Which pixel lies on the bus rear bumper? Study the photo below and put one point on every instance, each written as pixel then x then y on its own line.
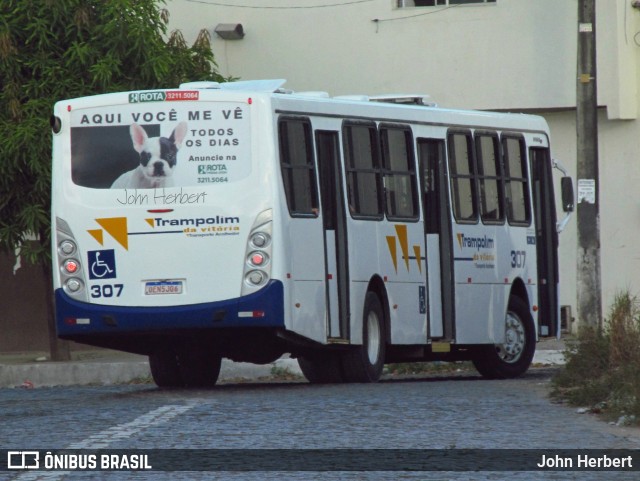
pixel 78 320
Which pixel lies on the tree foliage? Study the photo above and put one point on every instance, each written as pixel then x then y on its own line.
pixel 56 49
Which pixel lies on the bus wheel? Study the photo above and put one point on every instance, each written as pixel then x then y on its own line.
pixel 199 367
pixel 364 363
pixel 514 357
pixel 322 368
pixel 164 369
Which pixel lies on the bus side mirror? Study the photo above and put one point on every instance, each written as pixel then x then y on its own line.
pixel 566 186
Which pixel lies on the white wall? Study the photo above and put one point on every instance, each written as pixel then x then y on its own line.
pixel 618 47
pixel 461 56
pixel 619 165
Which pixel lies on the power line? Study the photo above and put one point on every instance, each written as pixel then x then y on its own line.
pixel 302 7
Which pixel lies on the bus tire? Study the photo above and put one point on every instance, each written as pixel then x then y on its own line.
pixel 321 369
pixel 164 369
pixel 513 358
pixel 199 367
pixel 364 363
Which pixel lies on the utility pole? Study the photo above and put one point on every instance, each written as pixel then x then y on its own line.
pixel 589 290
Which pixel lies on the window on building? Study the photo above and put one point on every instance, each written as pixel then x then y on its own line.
pixel 364 184
pixel 297 166
pixel 438 3
pixel 490 177
pixel 516 179
pixel 399 173
pixel 463 176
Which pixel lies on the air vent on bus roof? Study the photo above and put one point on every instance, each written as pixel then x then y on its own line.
pixel 270 85
pixel 357 98
pixel 414 99
pixel 318 94
pixel 402 99
pixel 200 85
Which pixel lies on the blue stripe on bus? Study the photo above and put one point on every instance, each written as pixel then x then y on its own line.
pixel 101 319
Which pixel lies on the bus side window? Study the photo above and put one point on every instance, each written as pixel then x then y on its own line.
pixel 517 189
pixel 490 177
pixel 463 177
pixel 362 166
pixel 297 167
pixel 399 173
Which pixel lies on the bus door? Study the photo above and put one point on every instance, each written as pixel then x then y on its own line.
pixel 439 241
pixel 546 241
pixel 335 234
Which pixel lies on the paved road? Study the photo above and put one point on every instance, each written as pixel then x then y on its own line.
pixel 425 413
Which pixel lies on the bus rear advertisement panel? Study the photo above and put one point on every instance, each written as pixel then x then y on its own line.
pixel 137 146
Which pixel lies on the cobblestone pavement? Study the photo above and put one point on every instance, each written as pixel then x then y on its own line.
pixel 462 411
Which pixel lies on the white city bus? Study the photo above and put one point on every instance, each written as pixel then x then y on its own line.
pixel 245 221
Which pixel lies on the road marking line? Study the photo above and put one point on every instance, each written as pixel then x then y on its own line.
pixel 104 438
pixel 122 431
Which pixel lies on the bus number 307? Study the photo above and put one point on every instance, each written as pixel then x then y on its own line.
pixel 106 290
pixel 518 258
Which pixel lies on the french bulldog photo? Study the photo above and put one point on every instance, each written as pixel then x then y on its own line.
pixel 158 156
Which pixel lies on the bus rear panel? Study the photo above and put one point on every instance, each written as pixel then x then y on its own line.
pixel 162 218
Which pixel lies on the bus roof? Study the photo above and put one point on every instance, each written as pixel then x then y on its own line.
pixel 368 104
pixel 390 107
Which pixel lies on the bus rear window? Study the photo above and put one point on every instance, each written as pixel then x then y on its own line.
pixel 98 157
pixel 139 146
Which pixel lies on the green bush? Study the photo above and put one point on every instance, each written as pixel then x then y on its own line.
pixel 603 365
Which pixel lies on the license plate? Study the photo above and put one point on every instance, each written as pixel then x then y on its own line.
pixel 154 288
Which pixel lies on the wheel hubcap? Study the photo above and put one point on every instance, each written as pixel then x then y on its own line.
pixel 514 342
pixel 373 337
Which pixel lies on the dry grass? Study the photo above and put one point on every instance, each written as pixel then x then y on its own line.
pixel 603 366
pixel 418 368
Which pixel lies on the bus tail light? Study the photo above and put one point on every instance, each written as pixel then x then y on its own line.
pixel 71 266
pixel 260 239
pixel 256 278
pixel 67 248
pixel 258 258
pixel 70 271
pixel 257 266
pixel 73 284
pixel 77 321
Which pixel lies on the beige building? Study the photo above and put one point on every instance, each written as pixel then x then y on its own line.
pixel 513 55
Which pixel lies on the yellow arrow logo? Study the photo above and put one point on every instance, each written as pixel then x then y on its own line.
pixel 402 238
pixel 116 227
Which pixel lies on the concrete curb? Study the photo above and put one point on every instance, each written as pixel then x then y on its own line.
pixel 77 373
pixel 555 358
pixel 47 374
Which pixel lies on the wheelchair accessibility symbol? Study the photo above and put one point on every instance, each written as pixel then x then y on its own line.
pixel 102 264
